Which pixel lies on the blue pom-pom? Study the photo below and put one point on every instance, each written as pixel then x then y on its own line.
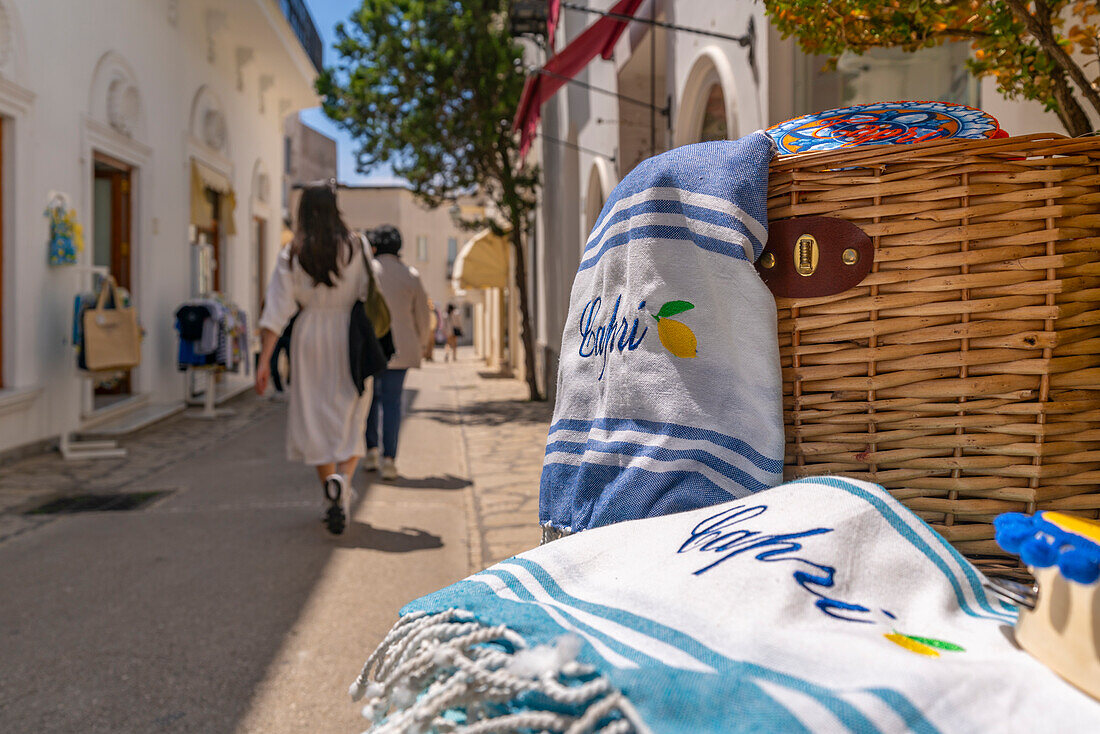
pixel 1039 552
pixel 1011 536
pixel 1078 565
pixel 1012 519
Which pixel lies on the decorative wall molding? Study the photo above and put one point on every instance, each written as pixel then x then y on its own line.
pixel 267 81
pixel 209 125
pixel 214 129
pixel 123 105
pixel 14 99
pixel 244 55
pixel 106 139
pixel 215 22
pixel 115 99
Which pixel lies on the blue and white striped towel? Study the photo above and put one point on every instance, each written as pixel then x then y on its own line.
pixel 669 390
pixel 822 605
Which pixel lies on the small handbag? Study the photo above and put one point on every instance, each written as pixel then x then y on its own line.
pixel 370 344
pixel 112 336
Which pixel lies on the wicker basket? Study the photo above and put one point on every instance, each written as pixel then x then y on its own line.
pixel 963 374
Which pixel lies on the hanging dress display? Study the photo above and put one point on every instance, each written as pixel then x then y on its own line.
pixel 66 235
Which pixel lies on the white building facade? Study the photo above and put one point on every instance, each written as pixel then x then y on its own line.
pixel 160 123
pixel 665 88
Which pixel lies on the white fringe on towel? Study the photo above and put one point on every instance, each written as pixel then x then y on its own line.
pixel 447 673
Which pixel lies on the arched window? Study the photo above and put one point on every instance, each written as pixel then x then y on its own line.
pixel 601 180
pixel 708 101
pixel 713 125
pixel 593 200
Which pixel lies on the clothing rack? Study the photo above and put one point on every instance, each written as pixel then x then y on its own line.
pixel 210 401
pixel 71 448
pixel 209 404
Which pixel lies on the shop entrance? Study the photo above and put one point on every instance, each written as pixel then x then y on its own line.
pixel 211 234
pixel 259 275
pixel 2 197
pixel 111 248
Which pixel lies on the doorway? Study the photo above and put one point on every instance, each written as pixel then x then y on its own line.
pixel 212 235
pixel 259 275
pixel 2 178
pixel 111 249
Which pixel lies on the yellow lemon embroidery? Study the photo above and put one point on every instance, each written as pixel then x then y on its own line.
pixel 922 645
pixel 912 645
pixel 677 338
pixel 675 335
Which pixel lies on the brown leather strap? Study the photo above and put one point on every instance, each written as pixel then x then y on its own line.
pixel 808 257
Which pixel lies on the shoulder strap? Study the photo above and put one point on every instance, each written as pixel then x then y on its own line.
pixel 377 309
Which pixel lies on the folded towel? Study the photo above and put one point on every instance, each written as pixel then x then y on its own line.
pixel 669 390
pixel 821 605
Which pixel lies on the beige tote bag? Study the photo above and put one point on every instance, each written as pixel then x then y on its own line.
pixel 112 337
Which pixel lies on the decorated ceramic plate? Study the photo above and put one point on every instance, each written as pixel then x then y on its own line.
pixel 882 123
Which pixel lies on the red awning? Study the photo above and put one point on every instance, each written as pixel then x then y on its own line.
pixel 552 13
pixel 599 39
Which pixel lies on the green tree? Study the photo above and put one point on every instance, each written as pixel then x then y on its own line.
pixel 1023 44
pixel 430 87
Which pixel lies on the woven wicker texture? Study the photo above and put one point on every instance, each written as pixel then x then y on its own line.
pixel 963 374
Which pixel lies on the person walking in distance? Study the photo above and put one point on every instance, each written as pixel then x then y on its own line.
pixel 324 272
pixel 433 325
pixel 410 328
pixel 454 330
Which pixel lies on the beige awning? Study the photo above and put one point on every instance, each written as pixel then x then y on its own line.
pixel 482 262
pixel 202 215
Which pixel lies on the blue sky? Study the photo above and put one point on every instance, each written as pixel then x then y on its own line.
pixel 326 14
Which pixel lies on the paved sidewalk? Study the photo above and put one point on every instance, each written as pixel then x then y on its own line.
pixel 504 437
pixel 224 606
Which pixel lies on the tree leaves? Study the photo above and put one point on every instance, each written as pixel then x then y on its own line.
pixel 430 87
pixel 1003 47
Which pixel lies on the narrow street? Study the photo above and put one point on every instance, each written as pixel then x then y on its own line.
pixel 223 606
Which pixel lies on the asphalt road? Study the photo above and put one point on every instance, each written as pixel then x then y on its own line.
pixel 225 607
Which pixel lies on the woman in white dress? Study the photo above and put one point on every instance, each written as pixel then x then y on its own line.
pixel 320 274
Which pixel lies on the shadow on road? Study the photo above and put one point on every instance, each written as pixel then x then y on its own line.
pixel 448 481
pixel 493 413
pixel 405 540
pixel 495 375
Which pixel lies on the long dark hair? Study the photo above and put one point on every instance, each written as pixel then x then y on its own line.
pixel 322 244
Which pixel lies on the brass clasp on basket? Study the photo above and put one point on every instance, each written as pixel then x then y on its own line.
pixel 806 254
pixel 810 257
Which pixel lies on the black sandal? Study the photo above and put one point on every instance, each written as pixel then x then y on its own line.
pixel 335 520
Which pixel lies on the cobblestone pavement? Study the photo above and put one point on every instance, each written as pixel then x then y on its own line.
pixel 30 481
pixel 503 436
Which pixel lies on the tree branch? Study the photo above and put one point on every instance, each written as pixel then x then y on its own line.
pixel 959 33
pixel 1069 109
pixel 1039 26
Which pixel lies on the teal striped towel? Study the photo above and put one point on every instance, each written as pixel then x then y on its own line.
pixel 822 605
